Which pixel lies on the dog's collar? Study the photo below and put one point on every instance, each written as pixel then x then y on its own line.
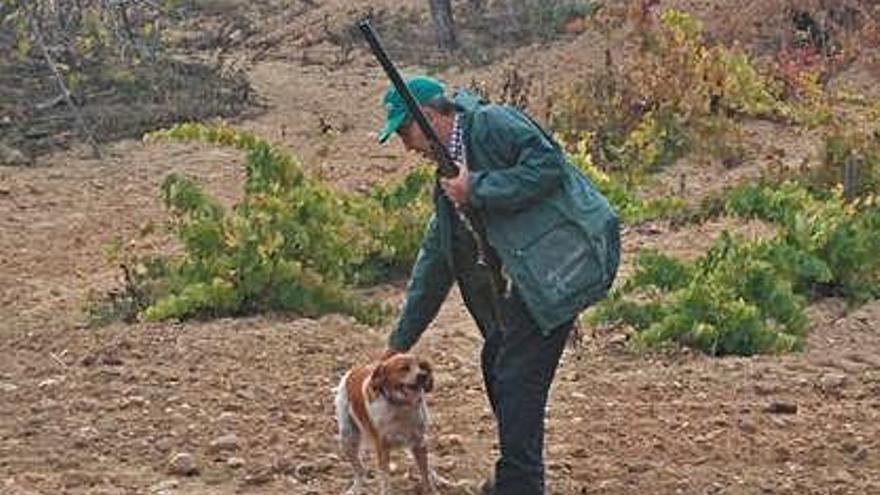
pixel 386 393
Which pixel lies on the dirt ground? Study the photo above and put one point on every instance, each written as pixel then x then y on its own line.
pixel 248 401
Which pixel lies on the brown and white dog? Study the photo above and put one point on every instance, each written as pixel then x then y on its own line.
pixel 384 402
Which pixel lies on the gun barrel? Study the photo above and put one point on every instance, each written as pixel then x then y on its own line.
pixel 446 167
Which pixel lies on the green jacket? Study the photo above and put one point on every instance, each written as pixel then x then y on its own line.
pixel 555 234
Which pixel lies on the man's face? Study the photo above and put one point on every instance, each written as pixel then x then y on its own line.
pixel 412 136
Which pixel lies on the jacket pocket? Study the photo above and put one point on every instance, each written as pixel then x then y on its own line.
pixel 565 263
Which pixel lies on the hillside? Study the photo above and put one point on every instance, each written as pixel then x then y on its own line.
pixel 100 411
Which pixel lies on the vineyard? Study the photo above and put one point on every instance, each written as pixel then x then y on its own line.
pixel 201 234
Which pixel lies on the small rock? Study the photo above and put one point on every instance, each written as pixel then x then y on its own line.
pixel 235 462
pixel 284 465
pixel 843 477
pixel 75 478
pixel 246 394
pixel 84 437
pixel 304 444
pixel 861 454
pixel 781 407
pixel 709 437
pixel 849 447
pixel 782 454
pixel 308 471
pixel 164 488
pixel 580 453
pixel 764 388
pixel 748 427
pixel 12 157
pixel 182 464
pixel 224 443
pixel 638 467
pixel 226 417
pixel 832 382
pixel 618 340
pixel 259 476
pixel 296 486
pixel 451 444
pixel 780 421
pixel 8 387
pixel 443 379
pixel 134 401
pixel 49 382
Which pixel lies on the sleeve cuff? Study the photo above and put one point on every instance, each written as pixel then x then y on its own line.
pixel 397 342
pixel 474 179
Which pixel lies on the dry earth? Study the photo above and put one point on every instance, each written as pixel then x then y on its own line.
pixel 248 401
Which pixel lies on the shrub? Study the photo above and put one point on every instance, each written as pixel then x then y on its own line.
pixel 291 243
pixel 678 95
pixel 730 301
pixel 850 156
pixel 748 297
pixel 826 245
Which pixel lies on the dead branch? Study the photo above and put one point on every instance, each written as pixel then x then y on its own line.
pixel 41 44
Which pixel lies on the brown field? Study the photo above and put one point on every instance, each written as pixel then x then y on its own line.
pixel 101 411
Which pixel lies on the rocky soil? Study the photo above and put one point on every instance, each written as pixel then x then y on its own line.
pixel 244 405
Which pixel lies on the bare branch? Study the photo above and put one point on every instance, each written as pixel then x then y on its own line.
pixel 41 44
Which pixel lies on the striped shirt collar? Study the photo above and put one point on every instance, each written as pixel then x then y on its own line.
pixel 456 139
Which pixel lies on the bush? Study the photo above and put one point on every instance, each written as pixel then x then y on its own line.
pixel 748 297
pixel 678 95
pixel 826 245
pixel 850 156
pixel 729 302
pixel 291 243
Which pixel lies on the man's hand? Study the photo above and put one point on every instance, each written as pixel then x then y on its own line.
pixel 456 188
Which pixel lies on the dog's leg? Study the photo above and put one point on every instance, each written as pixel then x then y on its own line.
pixel 383 455
pixel 350 444
pixel 349 438
pixel 420 454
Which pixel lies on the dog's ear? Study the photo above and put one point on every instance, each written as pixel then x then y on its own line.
pixel 425 368
pixel 377 380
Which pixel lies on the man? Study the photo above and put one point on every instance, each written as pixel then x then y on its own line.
pixel 553 249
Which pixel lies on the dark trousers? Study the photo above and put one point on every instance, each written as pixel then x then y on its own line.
pixel 518 367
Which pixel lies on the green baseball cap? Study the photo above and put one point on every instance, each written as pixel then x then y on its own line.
pixel 423 88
